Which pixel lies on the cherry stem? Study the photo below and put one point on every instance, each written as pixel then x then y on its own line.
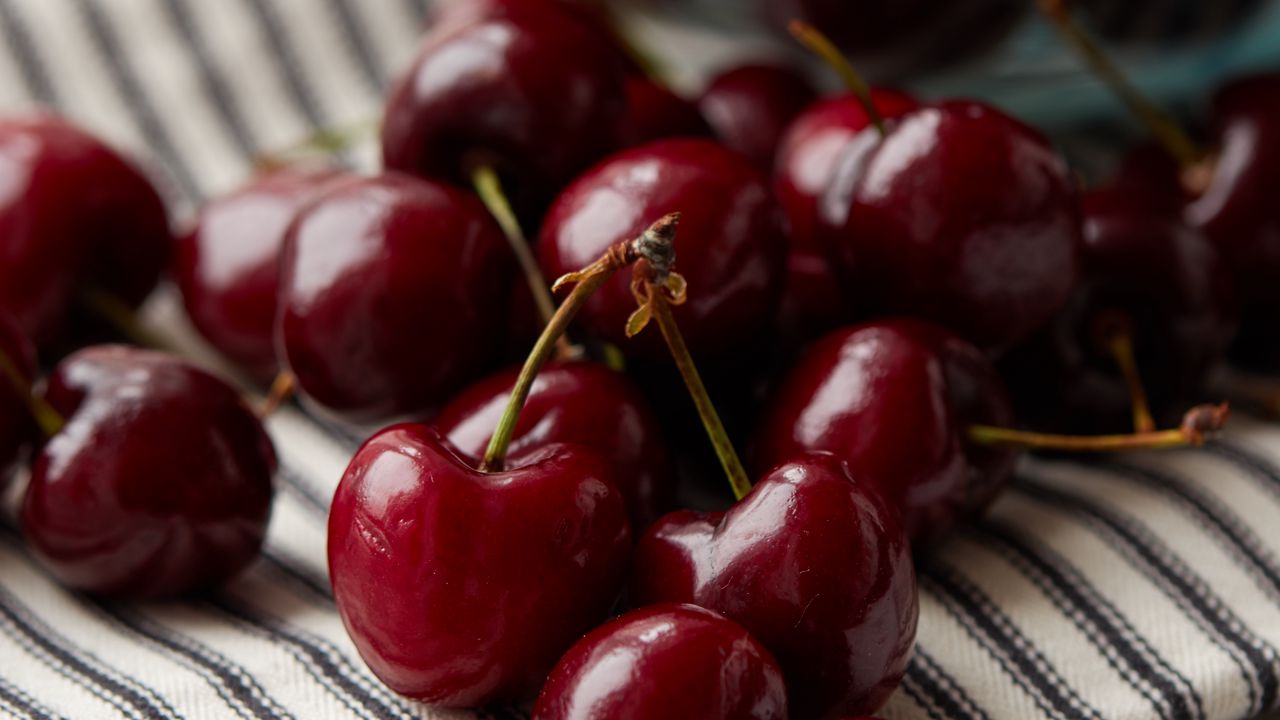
pixel 1199 423
pixel 489 187
pixel 820 45
pixel 120 316
pixel 282 389
pixel 651 282
pixel 1118 338
pixel 585 282
pixel 46 417
pixel 327 140
pixel 1159 122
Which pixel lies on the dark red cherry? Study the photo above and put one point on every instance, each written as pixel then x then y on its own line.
pixel 159 484
pixel 665 662
pixel 806 160
pixel 732 248
pixel 1143 273
pixel 655 112
pixel 750 106
pixel 16 426
pixel 228 264
pixel 73 214
pixel 393 293
pixel 815 565
pixel 529 87
pixel 893 399
pixel 912 231
pixel 573 402
pixel 462 588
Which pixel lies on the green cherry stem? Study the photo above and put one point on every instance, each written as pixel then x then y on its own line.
pixel 820 45
pixel 326 141
pixel 585 282
pixel 1198 424
pixel 120 316
pixel 44 414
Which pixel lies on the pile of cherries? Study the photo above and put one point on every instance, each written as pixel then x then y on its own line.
pixel 859 277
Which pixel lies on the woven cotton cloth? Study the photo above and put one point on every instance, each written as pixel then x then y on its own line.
pixel 1144 586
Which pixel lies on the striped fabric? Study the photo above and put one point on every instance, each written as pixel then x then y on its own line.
pixel 1144 586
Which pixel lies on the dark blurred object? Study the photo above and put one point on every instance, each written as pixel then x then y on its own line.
pixel 1159 21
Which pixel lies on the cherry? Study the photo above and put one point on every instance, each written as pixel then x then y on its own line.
pixel 811 562
pixel 160 482
pixel 1148 282
pixel 750 106
pixel 734 249
pixel 73 215
pixel 573 402
pixel 911 232
pixel 17 372
pixel 892 398
pixel 655 112
pixel 667 661
pixel 227 264
pixel 390 290
pixel 530 88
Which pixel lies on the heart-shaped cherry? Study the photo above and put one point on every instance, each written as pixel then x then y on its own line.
pixel 669 662
pixel 391 291
pixel 573 402
pixel 159 483
pixel 17 373
pixel 74 215
pixel 910 232
pixel 814 564
pixel 750 106
pixel 655 112
pixel 228 264
pixel 734 246
pixel 893 398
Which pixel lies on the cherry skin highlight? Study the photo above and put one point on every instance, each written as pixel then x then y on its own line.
pixel 750 106
pixel 73 214
pixel 732 246
pixel 160 484
pixel 573 402
pixel 815 565
pixel 668 661
pixel 910 230
pixel 462 588
pixel 892 398
pixel 228 264
pixel 393 292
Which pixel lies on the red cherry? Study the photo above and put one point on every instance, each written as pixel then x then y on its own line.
pixel 655 112
pixel 732 248
pixel 391 289
pixel 811 562
pixel 460 587
pixel 667 661
pixel 228 264
pixel 912 232
pixel 73 214
pixel 16 427
pixel 159 484
pixel 573 402
pixel 893 399
pixel 750 106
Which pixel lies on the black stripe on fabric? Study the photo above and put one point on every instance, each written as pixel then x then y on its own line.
pixel 1235 537
pixel 313 584
pixel 356 38
pixel 924 701
pixel 1171 694
pixel 135 97
pixel 308 496
pixel 281 47
pixel 992 629
pixel 17 38
pixel 940 690
pixel 1256 467
pixel 417 9
pixel 361 693
pixel 231 681
pixel 212 82
pixel 1256 659
pixel 18 701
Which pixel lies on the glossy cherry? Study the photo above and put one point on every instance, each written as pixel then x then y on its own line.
pixel 1143 273
pixel 573 402
pixel 815 565
pixel 732 246
pixel 655 112
pixel 665 662
pixel 393 291
pixel 462 588
pixel 228 264
pixel 911 231
pixel 529 87
pixel 159 484
pixel 750 106
pixel 73 214
pixel 16 426
pixel 893 399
